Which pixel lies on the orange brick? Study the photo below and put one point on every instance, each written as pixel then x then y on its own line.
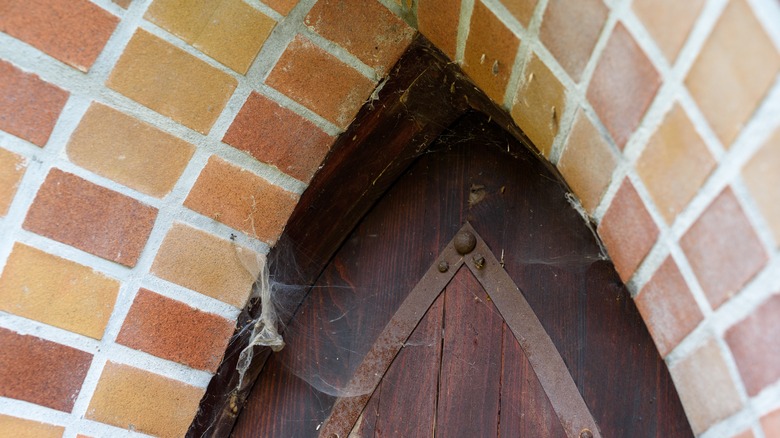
pixel 56 291
pixel 40 371
pixel 628 230
pixel 230 31
pixel 242 200
pixel 438 21
pixel 539 105
pixel 320 82
pixel 706 389
pixel 668 21
pixel 123 3
pixel 490 52
pixel 19 428
pixel 668 307
pixel 674 164
pixel 12 169
pixel 73 31
pixel 156 325
pixel 587 162
pixel 762 179
pixel 367 30
pixel 204 263
pixel 727 81
pixel 281 6
pixel 570 29
pixel 278 136
pixel 523 10
pixel 171 82
pixel 91 218
pixel 128 397
pixel 128 151
pixel 623 85
pixel 29 107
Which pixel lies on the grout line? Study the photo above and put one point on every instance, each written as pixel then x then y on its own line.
pixel 464 26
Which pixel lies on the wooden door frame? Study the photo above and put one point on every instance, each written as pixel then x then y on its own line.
pixel 423 95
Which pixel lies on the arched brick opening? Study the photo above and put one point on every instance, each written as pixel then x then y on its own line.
pixel 138 137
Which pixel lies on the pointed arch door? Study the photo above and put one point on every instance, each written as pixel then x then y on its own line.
pixel 531 333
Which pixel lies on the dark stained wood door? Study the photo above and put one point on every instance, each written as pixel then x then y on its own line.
pixel 459 369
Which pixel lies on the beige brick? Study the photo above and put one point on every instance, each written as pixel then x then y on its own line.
pixel 12 169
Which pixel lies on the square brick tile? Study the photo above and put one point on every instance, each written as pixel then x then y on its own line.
pixel 570 30
pixel 40 371
pixel 723 249
pixel 491 49
pixel 128 151
pixel 539 104
pixel 151 404
pixel 753 341
pixel 771 424
pixel 17 427
pixel 301 73
pixel 204 263
pixel 674 164
pixel 175 331
pixel 230 31
pixel 623 85
pixel 628 230
pixel 29 107
pixel 241 200
pixel 727 81
pixel 763 179
pixel 58 292
pixel 697 378
pixel 91 218
pixel 278 136
pixel 72 31
pixel 281 6
pixel 523 10
pixel 367 30
pixel 668 21
pixel 438 20
pixel 587 162
pixel 172 82
pixel 668 307
pixel 12 167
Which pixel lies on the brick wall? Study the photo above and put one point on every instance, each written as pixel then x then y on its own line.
pixel 142 140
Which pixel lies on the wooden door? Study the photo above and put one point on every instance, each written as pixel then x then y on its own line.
pixel 390 343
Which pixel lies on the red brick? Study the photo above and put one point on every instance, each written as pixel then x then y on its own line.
pixel 490 52
pixel 438 21
pixel 242 200
pixel 366 29
pixel 278 136
pixel 570 30
pixel 40 371
pixel 623 85
pixel 668 307
pixel 73 31
pixel 723 249
pixel 175 331
pixel 91 218
pixel 753 341
pixel 628 230
pixel 320 82
pixel 29 107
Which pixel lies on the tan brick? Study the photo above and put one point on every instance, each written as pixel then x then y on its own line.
pixel 668 21
pixel 171 82
pixel 763 179
pixel 204 263
pixel 92 218
pixel 366 29
pixel 131 398
pixel 12 169
pixel 587 162
pixel 242 200
pixel 539 104
pixel 72 31
pixel 55 291
pixel 128 151
pixel 19 428
pixel 674 164
pixel 490 52
pixel 303 69
pixel 727 81
pixel 230 31
pixel 438 21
